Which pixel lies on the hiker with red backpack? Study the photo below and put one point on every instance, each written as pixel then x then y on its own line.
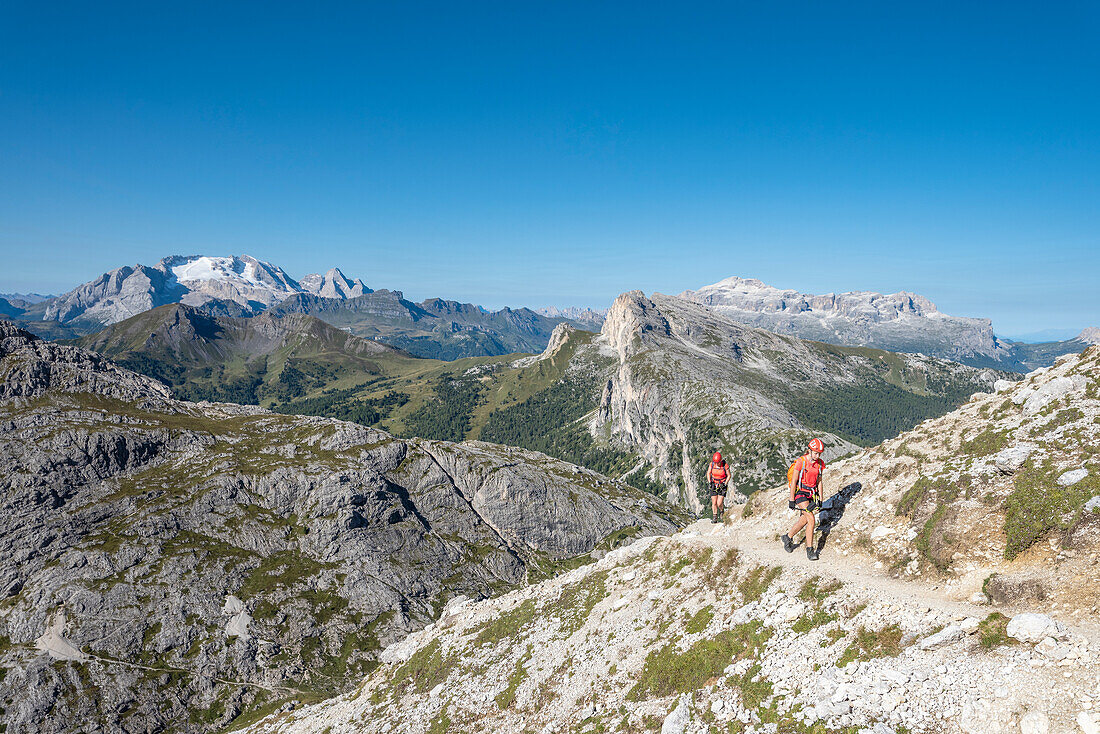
pixel 804 482
pixel 718 477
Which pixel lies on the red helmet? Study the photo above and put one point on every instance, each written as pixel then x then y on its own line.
pixel 816 445
pixel 717 458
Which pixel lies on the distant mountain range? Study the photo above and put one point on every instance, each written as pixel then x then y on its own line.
pixel 244 286
pixel 899 322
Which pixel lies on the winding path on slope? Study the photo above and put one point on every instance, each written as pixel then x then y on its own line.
pixel 758 541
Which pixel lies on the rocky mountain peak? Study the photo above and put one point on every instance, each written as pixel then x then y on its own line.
pixel 902 322
pixel 751 294
pixel 631 317
pixel 558 338
pixel 334 284
pixel 1090 335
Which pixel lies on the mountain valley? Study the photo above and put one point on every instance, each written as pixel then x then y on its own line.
pixel 664 384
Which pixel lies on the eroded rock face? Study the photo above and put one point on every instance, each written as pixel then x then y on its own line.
pixel 30 367
pixel 167 565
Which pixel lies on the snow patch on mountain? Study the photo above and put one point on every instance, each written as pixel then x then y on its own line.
pixel 217 268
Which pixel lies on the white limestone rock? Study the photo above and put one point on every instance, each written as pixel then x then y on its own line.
pixel 1011 459
pixel 1053 390
pixel 947 635
pixel 1034 722
pixel 1032 627
pixel 1072 477
pixel 677 722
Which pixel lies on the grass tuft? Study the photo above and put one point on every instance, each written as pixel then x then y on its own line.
pixel 668 671
pixel 869 644
pixel 757 581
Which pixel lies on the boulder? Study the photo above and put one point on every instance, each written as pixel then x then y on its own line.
pixel 1051 650
pixel 677 721
pixel 1051 391
pixel 1005 589
pixel 1072 477
pixel 945 636
pixel 1011 459
pixel 970 624
pixel 1002 385
pixel 1032 627
pixel 1034 722
pixel 881 532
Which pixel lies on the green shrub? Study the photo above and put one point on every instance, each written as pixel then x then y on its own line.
pixel 812 591
pixel 989 441
pixel 698 622
pixel 505 698
pixel 422 672
pixel 507 625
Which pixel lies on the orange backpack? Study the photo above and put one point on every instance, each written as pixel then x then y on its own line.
pixel 794 470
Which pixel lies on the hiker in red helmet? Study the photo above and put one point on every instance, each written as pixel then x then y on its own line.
pixel 718 477
pixel 804 482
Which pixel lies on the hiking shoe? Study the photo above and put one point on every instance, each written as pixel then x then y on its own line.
pixel 787 544
pixel 811 553
pixel 714 519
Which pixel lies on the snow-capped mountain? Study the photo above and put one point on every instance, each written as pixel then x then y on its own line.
pixel 194 280
pixel 901 322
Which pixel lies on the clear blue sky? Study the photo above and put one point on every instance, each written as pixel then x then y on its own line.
pixel 558 153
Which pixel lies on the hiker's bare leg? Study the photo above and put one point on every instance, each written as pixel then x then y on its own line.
pixel 809 528
pixel 800 521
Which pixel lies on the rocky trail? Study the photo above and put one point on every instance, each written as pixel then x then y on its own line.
pixel 764 547
pixel 811 647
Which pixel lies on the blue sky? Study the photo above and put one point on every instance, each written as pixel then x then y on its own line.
pixel 560 153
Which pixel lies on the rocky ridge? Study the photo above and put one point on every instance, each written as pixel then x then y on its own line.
pixel 244 286
pixel 192 280
pixel 334 284
pixel 170 566
pixel 900 322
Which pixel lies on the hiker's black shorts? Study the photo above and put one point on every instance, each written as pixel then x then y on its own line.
pixel 717 489
pixel 801 497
